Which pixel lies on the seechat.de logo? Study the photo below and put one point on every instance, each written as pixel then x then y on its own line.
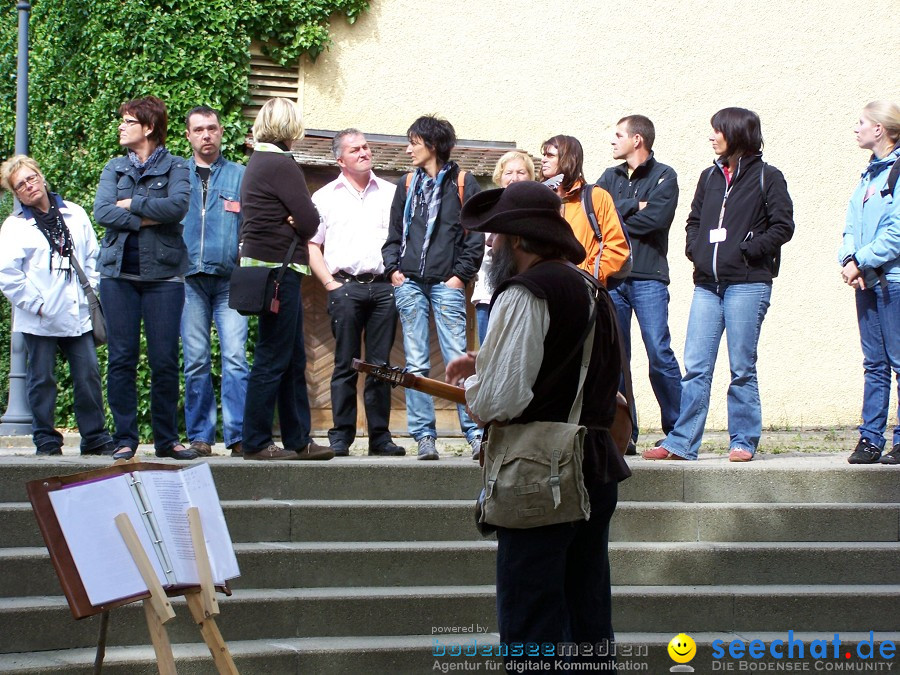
pixel 682 649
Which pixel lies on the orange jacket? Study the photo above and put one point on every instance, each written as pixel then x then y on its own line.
pixel 615 246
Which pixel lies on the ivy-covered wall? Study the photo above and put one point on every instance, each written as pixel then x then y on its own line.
pixel 87 58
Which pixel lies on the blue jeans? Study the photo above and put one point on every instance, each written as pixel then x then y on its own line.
pixel 278 375
pixel 40 384
pixel 158 304
pixel 878 314
pixel 649 301
pixel 482 317
pixel 205 299
pixel 739 310
pixel 414 303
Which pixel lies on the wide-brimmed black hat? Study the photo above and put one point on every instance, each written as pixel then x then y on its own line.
pixel 525 209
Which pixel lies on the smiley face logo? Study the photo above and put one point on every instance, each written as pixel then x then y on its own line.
pixel 682 648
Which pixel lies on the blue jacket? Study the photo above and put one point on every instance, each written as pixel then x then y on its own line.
pixel 162 194
pixel 212 235
pixel 872 231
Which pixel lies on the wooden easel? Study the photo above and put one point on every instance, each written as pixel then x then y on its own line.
pixel 201 600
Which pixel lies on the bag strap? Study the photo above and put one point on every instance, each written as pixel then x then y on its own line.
pixel 460 183
pixel 575 412
pixel 587 203
pixel 287 259
pixel 92 298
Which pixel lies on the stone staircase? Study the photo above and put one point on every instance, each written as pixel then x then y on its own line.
pixel 358 565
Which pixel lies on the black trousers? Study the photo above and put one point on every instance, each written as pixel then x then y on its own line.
pixel 553 584
pixel 361 311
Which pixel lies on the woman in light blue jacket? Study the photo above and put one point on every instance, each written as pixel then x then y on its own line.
pixel 870 261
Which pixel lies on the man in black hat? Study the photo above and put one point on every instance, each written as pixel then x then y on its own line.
pixel 552 581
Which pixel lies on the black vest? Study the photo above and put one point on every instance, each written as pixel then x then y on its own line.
pixel 569 306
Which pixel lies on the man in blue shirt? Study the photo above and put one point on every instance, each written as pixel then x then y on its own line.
pixel 211 233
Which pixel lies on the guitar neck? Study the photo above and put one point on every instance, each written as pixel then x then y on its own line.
pixel 437 388
pixel 426 385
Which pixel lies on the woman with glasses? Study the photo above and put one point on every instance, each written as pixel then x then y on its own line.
pixel 141 200
pixel 562 161
pixel 40 245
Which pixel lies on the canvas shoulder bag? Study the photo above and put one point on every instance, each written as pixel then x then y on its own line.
pixel 532 472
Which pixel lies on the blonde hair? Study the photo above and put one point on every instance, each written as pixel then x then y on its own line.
pixel 507 158
pixel 887 114
pixel 278 120
pixel 13 165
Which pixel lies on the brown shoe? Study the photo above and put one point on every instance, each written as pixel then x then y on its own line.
pixel 272 452
pixel 237 450
pixel 740 455
pixel 201 448
pixel 659 452
pixel 314 451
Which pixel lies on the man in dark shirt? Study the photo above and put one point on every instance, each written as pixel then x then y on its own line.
pixel 645 193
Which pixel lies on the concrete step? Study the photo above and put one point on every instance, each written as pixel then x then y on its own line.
pixel 773 479
pixel 724 522
pixel 356 564
pixel 418 654
pixel 303 565
pixel 756 563
pixel 445 520
pixel 45 623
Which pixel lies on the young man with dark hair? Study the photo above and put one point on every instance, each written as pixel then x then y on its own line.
pixel 429 259
pixel 645 193
pixel 211 234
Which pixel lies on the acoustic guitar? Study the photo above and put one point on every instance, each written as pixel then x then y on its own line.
pixel 398 377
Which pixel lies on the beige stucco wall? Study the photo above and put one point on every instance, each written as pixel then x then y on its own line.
pixel 523 71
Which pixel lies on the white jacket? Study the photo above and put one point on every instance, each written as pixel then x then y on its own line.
pixel 29 283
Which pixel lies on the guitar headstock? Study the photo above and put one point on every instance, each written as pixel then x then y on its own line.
pixel 393 375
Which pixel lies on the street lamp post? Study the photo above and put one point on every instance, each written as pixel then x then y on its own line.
pixel 17 419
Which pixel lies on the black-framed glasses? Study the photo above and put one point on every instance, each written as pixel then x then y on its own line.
pixel 31 181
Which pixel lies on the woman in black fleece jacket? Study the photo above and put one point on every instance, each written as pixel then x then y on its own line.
pixel 740 217
pixel 276 209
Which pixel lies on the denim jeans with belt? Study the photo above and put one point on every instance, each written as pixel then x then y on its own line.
pixel 648 299
pixel 40 384
pixel 278 375
pixel 126 303
pixel 878 315
pixel 738 310
pixel 205 300
pixel 414 303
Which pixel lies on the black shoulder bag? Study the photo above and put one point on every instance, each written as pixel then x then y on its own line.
pixel 254 290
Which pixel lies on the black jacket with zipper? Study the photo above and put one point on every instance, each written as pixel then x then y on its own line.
pixel 748 251
pixel 656 184
pixel 453 251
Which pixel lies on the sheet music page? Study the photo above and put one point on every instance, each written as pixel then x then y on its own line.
pixel 171 493
pixel 86 514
